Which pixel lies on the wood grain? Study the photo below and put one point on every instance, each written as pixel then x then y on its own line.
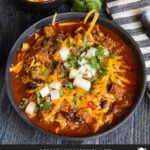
pixel 13 130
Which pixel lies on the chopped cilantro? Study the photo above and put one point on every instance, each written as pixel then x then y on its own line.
pixel 75 107
pixel 93 78
pixel 93 62
pixel 42 106
pixel 38 99
pixel 100 53
pixel 46 105
pixel 72 61
pixel 63 73
pixel 112 55
pixel 76 96
pixel 69 85
pixel 45 72
pixel 103 71
pixel 24 103
pixel 58 40
pixel 61 92
pixel 85 44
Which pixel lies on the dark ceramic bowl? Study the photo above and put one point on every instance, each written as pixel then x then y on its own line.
pixel 38 6
pixel 68 17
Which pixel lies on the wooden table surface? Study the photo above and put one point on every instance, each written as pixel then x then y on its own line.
pixel 13 130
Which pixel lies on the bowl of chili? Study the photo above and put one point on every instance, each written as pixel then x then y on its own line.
pixel 92 103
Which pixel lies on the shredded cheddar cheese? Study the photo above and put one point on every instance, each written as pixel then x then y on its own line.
pixel 17 68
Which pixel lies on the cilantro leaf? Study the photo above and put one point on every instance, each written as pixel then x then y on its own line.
pixel 24 103
pixel 72 61
pixel 61 92
pixel 69 85
pixel 103 71
pixel 100 53
pixel 76 96
pixel 38 99
pixel 112 55
pixel 46 105
pixel 93 62
pixel 85 44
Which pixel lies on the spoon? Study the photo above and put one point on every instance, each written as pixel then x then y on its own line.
pixel 146 21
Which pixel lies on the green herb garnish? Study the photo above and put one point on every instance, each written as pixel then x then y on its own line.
pixel 94 4
pixel 93 62
pixel 58 40
pixel 85 44
pixel 112 55
pixel 76 96
pixel 72 61
pixel 69 85
pixel 46 105
pixel 61 92
pixel 100 54
pixel 97 62
pixel 45 72
pixel 38 99
pixel 79 5
pixel 86 5
pixel 93 78
pixel 103 71
pixel 24 103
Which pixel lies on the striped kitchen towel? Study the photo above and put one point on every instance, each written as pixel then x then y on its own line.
pixel 127 13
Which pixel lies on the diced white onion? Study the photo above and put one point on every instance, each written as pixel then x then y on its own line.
pixel 91 52
pixel 73 73
pixel 45 91
pixel 93 71
pixel 55 85
pixel 82 83
pixel 64 53
pixel 82 61
pixel 55 94
pixel 30 108
pixel 87 71
pixel 83 54
pixel 82 69
pixel 66 65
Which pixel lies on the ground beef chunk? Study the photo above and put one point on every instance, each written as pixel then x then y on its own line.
pixel 43 57
pixel 37 55
pixel 109 43
pixel 60 116
pixel 36 64
pixel 117 91
pixel 84 115
pixel 49 31
pixel 64 106
pixel 38 43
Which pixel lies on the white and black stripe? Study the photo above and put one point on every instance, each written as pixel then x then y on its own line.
pixel 127 13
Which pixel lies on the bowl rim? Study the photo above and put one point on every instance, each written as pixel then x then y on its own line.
pixel 63 17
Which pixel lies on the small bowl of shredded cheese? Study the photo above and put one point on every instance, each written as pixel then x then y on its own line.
pixel 38 5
